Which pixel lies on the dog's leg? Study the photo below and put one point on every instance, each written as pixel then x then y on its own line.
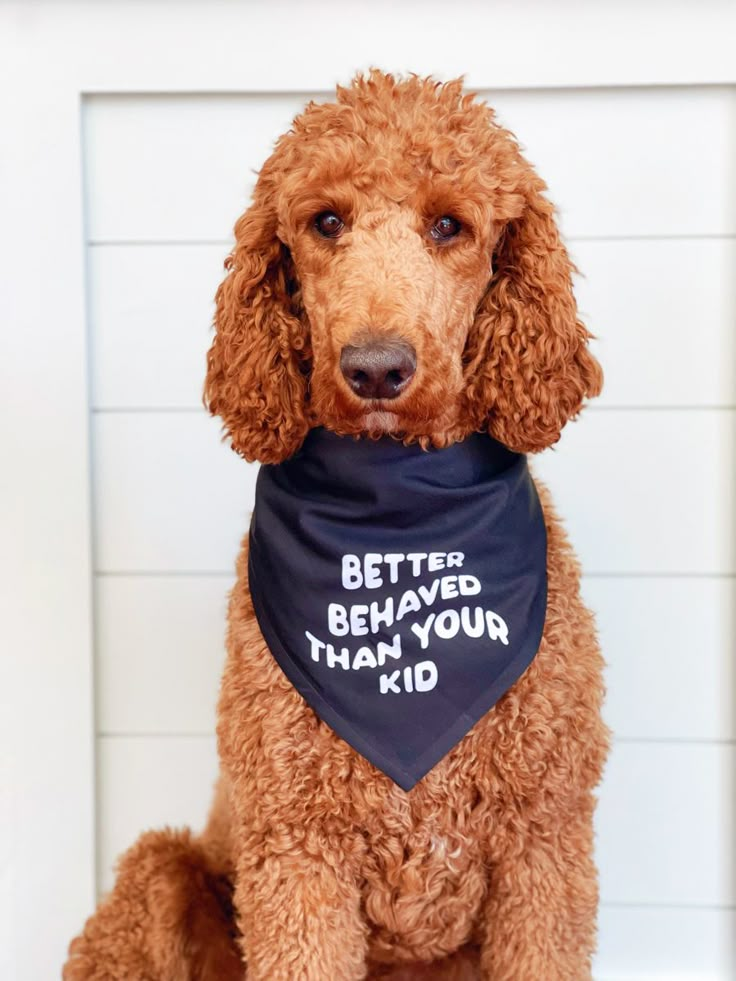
pixel 168 918
pixel 540 915
pixel 300 919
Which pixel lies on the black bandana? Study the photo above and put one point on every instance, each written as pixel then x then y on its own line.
pixel 401 591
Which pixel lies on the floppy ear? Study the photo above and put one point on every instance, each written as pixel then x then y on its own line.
pixel 528 364
pixel 256 367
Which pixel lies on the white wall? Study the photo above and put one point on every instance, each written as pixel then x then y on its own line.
pixel 644 480
pixel 643 177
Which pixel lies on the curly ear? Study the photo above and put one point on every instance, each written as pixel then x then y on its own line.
pixel 256 367
pixel 528 365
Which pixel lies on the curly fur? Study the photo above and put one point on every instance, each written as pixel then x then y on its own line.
pixel 485 868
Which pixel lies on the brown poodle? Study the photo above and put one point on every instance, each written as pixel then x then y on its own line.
pixel 400 214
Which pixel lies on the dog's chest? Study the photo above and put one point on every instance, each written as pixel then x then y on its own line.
pixel 423 877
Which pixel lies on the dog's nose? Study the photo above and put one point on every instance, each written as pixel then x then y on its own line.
pixel 379 369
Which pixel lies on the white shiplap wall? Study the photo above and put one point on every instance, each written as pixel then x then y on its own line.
pixel 643 180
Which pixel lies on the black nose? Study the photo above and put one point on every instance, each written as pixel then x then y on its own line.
pixel 379 369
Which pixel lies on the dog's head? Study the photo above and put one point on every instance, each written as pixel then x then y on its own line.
pixel 399 270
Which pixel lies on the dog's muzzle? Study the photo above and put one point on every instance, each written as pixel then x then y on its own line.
pixel 378 369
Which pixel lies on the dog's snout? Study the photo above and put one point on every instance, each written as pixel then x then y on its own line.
pixel 378 369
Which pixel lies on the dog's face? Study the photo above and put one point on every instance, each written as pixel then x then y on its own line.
pixel 390 274
pixel 399 271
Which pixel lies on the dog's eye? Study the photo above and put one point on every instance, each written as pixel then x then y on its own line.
pixel 445 228
pixel 328 224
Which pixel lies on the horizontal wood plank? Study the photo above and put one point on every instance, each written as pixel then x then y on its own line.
pixel 168 494
pixel 160 647
pixel 149 783
pixel 647 492
pixel 616 162
pixel 181 167
pixel 663 311
pixel 669 646
pixel 664 824
pixel 665 944
pixel 177 168
pixel 151 311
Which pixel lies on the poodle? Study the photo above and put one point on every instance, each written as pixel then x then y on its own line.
pixel 403 219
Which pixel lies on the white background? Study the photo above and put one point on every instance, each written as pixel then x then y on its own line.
pixel 129 134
